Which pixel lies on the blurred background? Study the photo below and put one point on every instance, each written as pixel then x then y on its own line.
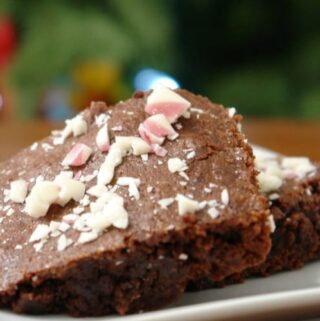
pixel 261 56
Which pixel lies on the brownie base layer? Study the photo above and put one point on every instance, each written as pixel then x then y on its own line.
pixel 149 264
pixel 148 277
pixel 296 239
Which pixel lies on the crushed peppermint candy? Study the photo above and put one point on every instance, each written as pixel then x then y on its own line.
pixel 97 190
pixel 213 212
pixel 269 182
pixel 63 243
pixel 46 193
pixel 132 183
pixel 231 111
pixel 78 155
pixel 165 101
pixel 183 256
pixel 117 128
pixel 186 205
pixel 196 110
pixel 159 126
pixel 112 160
pixel 102 138
pixel 165 202
pixel 18 191
pixel 76 126
pixel 41 232
pixel 274 170
pixel 86 237
pixel 271 223
pixel 225 196
pixel 177 165
pixel 191 155
pixel 42 195
pixel 69 189
pixel 101 119
pixel 10 211
pixel 145 157
pixel 34 146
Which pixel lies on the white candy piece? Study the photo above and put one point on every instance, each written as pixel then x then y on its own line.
pixel 268 183
pixel 102 138
pixel 113 159
pixel 41 232
pixel 274 170
pixel 78 155
pixel 140 147
pixel 213 212
pixel 300 166
pixel 231 111
pixel 165 202
pixel 132 183
pixel 63 175
pixel 186 205
pixel 99 204
pixel 136 144
pixel 101 119
pixel 63 243
pixel 97 190
pixel 76 126
pixel 98 222
pixel 117 214
pixel 165 101
pixel 69 189
pixel 177 165
pixel 225 197
pixel 86 237
pixel 271 223
pixel 18 191
pixel 42 195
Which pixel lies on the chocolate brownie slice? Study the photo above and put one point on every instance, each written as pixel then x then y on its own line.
pixel 292 185
pixel 126 205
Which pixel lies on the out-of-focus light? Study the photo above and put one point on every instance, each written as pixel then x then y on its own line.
pixel 147 78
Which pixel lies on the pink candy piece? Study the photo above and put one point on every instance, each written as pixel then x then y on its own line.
pixel 171 110
pixel 78 155
pixel 158 150
pixel 165 101
pixel 78 175
pixel 159 125
pixel 148 136
pixel 102 139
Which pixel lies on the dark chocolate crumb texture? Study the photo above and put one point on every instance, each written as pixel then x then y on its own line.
pixel 292 185
pixel 121 209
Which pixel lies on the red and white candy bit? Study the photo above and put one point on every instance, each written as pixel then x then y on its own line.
pixel 165 101
pixel 158 150
pixel 159 125
pixel 102 139
pixel 78 155
pixel 148 136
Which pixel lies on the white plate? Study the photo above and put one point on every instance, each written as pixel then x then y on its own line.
pixel 282 296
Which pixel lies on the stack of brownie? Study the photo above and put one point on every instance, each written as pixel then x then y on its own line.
pixel 129 205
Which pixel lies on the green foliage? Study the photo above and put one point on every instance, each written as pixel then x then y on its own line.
pixel 254 91
pixel 55 35
pixel 261 56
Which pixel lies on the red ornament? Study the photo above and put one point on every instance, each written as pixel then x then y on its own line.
pixel 7 41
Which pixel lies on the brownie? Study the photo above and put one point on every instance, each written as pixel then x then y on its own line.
pixel 293 190
pixel 95 224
